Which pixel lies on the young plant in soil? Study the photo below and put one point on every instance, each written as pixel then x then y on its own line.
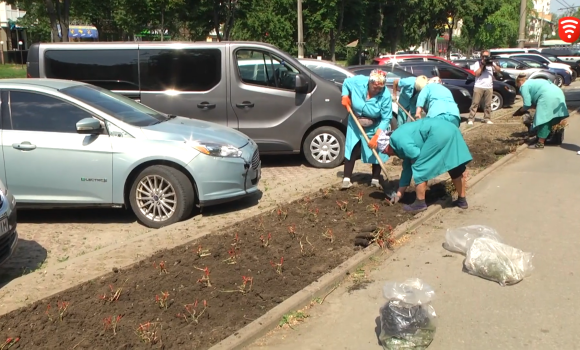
pixel 278 266
pixel 149 332
pixel 192 313
pixel 10 342
pixel 265 241
pixel 233 254
pixel 160 267
pixel 205 278
pixel 62 306
pixel 111 323
pixel 202 252
pixel 113 295
pixel 328 235
pixel 163 300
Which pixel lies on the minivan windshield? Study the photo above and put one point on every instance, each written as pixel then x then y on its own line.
pixel 116 105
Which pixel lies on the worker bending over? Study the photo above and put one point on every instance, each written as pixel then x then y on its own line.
pixel 438 102
pixel 410 88
pixel 428 147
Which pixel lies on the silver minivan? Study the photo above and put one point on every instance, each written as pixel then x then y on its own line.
pixel 249 86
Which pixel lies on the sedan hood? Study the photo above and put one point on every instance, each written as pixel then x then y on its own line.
pixel 181 129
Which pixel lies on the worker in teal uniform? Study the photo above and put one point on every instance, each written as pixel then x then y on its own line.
pixel 371 103
pixel 428 147
pixel 438 102
pixel 410 88
pixel 550 104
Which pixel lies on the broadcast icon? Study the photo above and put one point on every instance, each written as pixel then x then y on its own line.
pixel 569 29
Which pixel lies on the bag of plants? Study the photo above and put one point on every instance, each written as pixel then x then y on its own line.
pixel 459 239
pixel 408 321
pixel 498 262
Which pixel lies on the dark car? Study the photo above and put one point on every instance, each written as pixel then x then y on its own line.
pixel 461 96
pixel 561 76
pixel 504 95
pixel 8 234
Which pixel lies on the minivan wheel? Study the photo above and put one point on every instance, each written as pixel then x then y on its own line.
pixel 496 101
pixel 161 196
pixel 324 147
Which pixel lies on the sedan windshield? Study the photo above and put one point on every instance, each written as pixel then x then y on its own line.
pixel 118 106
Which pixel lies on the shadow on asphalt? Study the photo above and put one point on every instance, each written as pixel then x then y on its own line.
pixel 28 257
pixel 570 147
pixel 284 160
pixel 76 216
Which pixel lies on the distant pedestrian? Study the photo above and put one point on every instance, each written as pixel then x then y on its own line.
pixel 372 105
pixel 483 87
pixel 438 102
pixel 550 104
pixel 410 88
pixel 428 147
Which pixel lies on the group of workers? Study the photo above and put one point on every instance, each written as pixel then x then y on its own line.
pixel 431 145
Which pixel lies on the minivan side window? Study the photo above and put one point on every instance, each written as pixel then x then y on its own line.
pixel 194 70
pixel 109 69
pixel 31 111
pixel 264 69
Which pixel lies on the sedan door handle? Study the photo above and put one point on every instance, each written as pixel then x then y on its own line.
pixel 24 146
pixel 245 104
pixel 205 105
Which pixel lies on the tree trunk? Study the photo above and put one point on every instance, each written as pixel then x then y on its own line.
pixel 335 34
pixel 452 25
pixel 216 20
pixel 53 17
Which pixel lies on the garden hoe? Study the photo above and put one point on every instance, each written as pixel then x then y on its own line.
pixel 389 193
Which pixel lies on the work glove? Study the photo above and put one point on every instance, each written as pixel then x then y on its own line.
pixel 393 197
pixel 346 102
pixel 374 140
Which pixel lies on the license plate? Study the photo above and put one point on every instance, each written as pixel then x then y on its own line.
pixel 4 225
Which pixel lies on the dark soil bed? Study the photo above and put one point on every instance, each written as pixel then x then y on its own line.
pixel 488 143
pixel 193 296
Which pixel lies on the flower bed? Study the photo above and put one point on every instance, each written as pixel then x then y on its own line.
pixel 194 296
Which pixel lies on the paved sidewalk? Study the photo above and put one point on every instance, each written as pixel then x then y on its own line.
pixel 533 203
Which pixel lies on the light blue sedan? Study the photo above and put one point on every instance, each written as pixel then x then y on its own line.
pixel 71 144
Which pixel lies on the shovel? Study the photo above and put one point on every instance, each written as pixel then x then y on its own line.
pixel 375 153
pixel 404 110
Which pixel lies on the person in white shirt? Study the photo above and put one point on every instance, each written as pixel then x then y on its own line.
pixel 483 87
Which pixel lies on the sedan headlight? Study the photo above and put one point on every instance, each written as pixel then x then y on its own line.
pixel 216 149
pixel 465 93
pixel 509 88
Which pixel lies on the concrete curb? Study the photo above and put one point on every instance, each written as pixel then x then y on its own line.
pixel 323 285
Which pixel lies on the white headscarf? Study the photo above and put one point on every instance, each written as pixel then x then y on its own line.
pixel 435 80
pixel 384 140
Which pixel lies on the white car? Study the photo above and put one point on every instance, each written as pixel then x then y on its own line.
pixel 335 73
pixel 541 59
pixel 456 56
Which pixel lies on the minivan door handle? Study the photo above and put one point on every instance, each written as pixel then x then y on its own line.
pixel 24 146
pixel 205 105
pixel 245 104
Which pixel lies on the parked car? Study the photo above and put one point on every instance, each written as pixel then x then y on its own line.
pixel 510 70
pixel 334 73
pixel 545 61
pixel 248 86
pixel 97 148
pixel 461 96
pixel 563 76
pixel 8 223
pixel 563 53
pixel 413 58
pixel 503 94
pixel 456 56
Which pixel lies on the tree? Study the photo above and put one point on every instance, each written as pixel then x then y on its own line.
pixel 57 11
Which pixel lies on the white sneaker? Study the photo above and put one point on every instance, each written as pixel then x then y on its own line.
pixel 470 122
pixel 346 184
pixel 375 183
pixel 488 122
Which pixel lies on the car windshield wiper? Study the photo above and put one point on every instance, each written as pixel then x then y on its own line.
pixel 169 117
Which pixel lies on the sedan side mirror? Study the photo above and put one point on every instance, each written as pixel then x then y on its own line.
pixel 301 84
pixel 89 126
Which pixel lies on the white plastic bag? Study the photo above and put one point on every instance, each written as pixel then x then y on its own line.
pixel 408 321
pixel 498 262
pixel 458 240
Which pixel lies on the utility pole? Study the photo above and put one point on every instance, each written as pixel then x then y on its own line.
pixel 300 31
pixel 522 33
